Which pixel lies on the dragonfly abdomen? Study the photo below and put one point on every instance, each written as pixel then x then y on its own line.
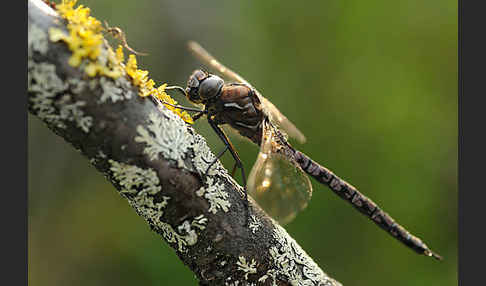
pixel 362 203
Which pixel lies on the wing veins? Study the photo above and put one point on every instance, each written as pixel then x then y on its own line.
pixel 269 108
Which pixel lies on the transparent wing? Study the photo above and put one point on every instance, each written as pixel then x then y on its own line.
pixel 280 187
pixel 270 110
pixel 277 117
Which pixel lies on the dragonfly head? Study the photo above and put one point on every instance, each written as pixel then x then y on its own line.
pixel 202 86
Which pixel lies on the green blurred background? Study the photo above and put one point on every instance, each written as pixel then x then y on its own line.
pixel 373 85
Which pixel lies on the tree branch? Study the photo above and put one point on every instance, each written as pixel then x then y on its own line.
pixel 158 162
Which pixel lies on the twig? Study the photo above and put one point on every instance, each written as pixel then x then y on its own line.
pixel 158 162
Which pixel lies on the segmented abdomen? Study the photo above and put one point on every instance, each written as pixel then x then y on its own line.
pixel 362 203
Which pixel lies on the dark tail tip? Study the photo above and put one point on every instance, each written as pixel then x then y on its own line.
pixel 433 254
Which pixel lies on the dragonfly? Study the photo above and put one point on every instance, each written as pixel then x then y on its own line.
pixel 278 180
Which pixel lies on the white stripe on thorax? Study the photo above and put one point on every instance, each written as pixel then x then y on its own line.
pixel 254 127
pixel 236 105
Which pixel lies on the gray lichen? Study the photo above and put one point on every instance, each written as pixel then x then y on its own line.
pixel 186 236
pixel 36 40
pixel 115 90
pixel 246 266
pixel 291 261
pixel 70 110
pixel 44 83
pixel 51 100
pixel 134 179
pixel 140 187
pixel 216 195
pixel 254 224
pixel 203 156
pixel 166 135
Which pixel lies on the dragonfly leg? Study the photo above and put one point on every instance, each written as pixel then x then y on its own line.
pixel 195 117
pixel 198 115
pixel 178 88
pixel 181 90
pixel 234 170
pixel 185 108
pixel 217 158
pixel 237 159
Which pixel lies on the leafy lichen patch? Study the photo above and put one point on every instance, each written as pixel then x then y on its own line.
pixel 164 136
pixel 254 224
pixel 140 187
pixel 134 179
pixel 189 229
pixel 200 222
pixel 148 208
pixel 36 40
pixel 291 261
pixel 46 86
pixel 98 157
pixel 216 195
pixel 71 111
pixel 203 156
pixel 187 235
pixel 76 85
pixel 246 266
pixel 237 283
pixel 115 90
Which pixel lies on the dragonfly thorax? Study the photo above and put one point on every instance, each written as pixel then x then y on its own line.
pixel 203 86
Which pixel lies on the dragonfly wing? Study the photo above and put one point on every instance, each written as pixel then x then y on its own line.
pixel 280 187
pixel 268 107
pixel 203 56
pixel 281 120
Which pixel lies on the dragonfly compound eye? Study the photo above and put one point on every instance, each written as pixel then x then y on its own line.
pixel 210 87
pixel 194 84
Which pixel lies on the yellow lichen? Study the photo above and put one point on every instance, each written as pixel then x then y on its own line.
pixel 120 57
pixel 85 40
pixel 146 86
pixel 162 95
pixel 139 77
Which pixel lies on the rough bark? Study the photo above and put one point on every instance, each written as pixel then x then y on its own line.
pixel 158 163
